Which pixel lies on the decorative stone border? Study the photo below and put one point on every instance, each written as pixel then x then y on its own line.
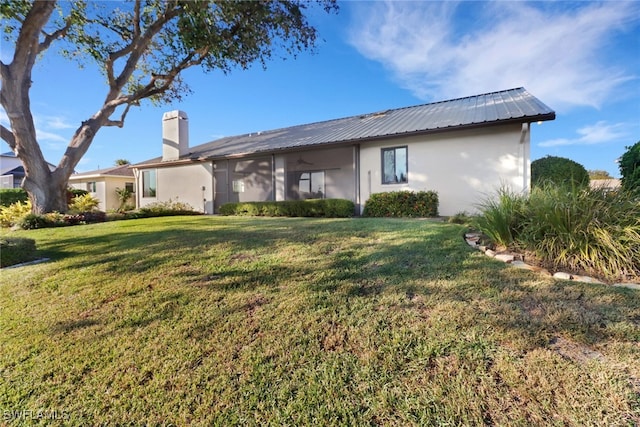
pixel 516 260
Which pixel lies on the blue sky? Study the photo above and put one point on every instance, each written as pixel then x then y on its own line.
pixel 580 58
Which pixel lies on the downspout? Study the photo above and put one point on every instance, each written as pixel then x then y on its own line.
pixel 356 172
pixel 525 136
pixel 273 177
pixel 136 176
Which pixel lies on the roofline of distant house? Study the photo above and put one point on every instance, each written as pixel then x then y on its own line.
pixel 200 159
pixel 98 175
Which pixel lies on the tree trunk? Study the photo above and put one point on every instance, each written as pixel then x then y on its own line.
pixel 46 195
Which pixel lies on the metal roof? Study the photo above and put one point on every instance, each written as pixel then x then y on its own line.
pixel 513 105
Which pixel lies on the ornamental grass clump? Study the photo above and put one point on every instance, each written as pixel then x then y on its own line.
pixel 503 217
pixel 588 230
pixel 584 230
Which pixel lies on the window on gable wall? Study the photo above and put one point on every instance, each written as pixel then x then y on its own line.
pixel 149 183
pixel 394 165
pixel 91 187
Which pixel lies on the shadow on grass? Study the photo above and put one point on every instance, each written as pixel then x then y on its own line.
pixel 380 257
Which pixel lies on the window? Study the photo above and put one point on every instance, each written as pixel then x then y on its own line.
pixel 149 183
pixel 91 187
pixel 394 165
pixel 129 187
pixel 311 185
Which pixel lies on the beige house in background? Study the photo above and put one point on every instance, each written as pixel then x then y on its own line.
pixel 610 184
pixel 462 148
pixel 102 184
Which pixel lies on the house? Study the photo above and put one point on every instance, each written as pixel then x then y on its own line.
pixel 102 184
pixel 462 148
pixel 12 171
pixel 610 184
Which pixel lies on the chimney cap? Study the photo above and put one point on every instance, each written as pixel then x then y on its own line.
pixel 174 114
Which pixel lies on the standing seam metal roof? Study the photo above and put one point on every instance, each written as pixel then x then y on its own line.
pixel 489 108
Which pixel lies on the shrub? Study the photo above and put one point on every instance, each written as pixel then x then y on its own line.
pixel 9 196
pixel 402 204
pixel 83 203
pixel 630 168
pixel 33 221
pixel 326 208
pixel 460 218
pixel 12 214
pixel 15 250
pixel 558 171
pixel 168 208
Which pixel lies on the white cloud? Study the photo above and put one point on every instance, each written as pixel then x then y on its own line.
pixel 47 130
pixel 552 49
pixel 599 133
pixel 56 122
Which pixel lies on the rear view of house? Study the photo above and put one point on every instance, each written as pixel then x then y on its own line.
pixel 462 148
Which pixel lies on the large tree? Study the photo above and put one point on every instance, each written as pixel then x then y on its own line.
pixel 141 47
pixel 629 165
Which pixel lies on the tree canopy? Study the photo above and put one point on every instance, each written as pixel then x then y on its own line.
pixel 630 168
pixel 141 47
pixel 558 171
pixel 599 174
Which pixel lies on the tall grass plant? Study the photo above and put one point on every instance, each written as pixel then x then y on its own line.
pixel 584 230
pixel 503 216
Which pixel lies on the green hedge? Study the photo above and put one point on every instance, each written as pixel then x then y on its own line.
pixel 15 250
pixel 326 208
pixel 420 204
pixel 9 196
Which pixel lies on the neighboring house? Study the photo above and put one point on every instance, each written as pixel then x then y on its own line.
pixel 464 149
pixel 102 184
pixel 12 171
pixel 610 184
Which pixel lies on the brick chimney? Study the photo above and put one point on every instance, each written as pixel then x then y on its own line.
pixel 175 135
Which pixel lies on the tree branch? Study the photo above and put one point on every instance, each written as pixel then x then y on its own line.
pixel 119 123
pixel 49 38
pixel 8 137
pixel 27 45
pixel 135 50
pixel 136 19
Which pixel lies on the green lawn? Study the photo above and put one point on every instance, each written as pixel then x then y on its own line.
pixel 244 321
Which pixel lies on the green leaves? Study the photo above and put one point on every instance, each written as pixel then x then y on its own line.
pixel 630 168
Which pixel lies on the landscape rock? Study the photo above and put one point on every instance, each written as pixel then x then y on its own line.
pixel 504 257
pixel 562 276
pixel 490 253
pixel 483 248
pixel 471 242
pixel 587 279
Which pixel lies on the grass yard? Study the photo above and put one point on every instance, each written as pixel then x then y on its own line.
pixel 245 321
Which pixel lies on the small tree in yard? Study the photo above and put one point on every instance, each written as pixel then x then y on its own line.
pixel 124 195
pixel 558 171
pixel 141 47
pixel 630 168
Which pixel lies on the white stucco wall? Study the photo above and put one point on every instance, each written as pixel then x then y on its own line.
pixel 462 166
pixel 182 183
